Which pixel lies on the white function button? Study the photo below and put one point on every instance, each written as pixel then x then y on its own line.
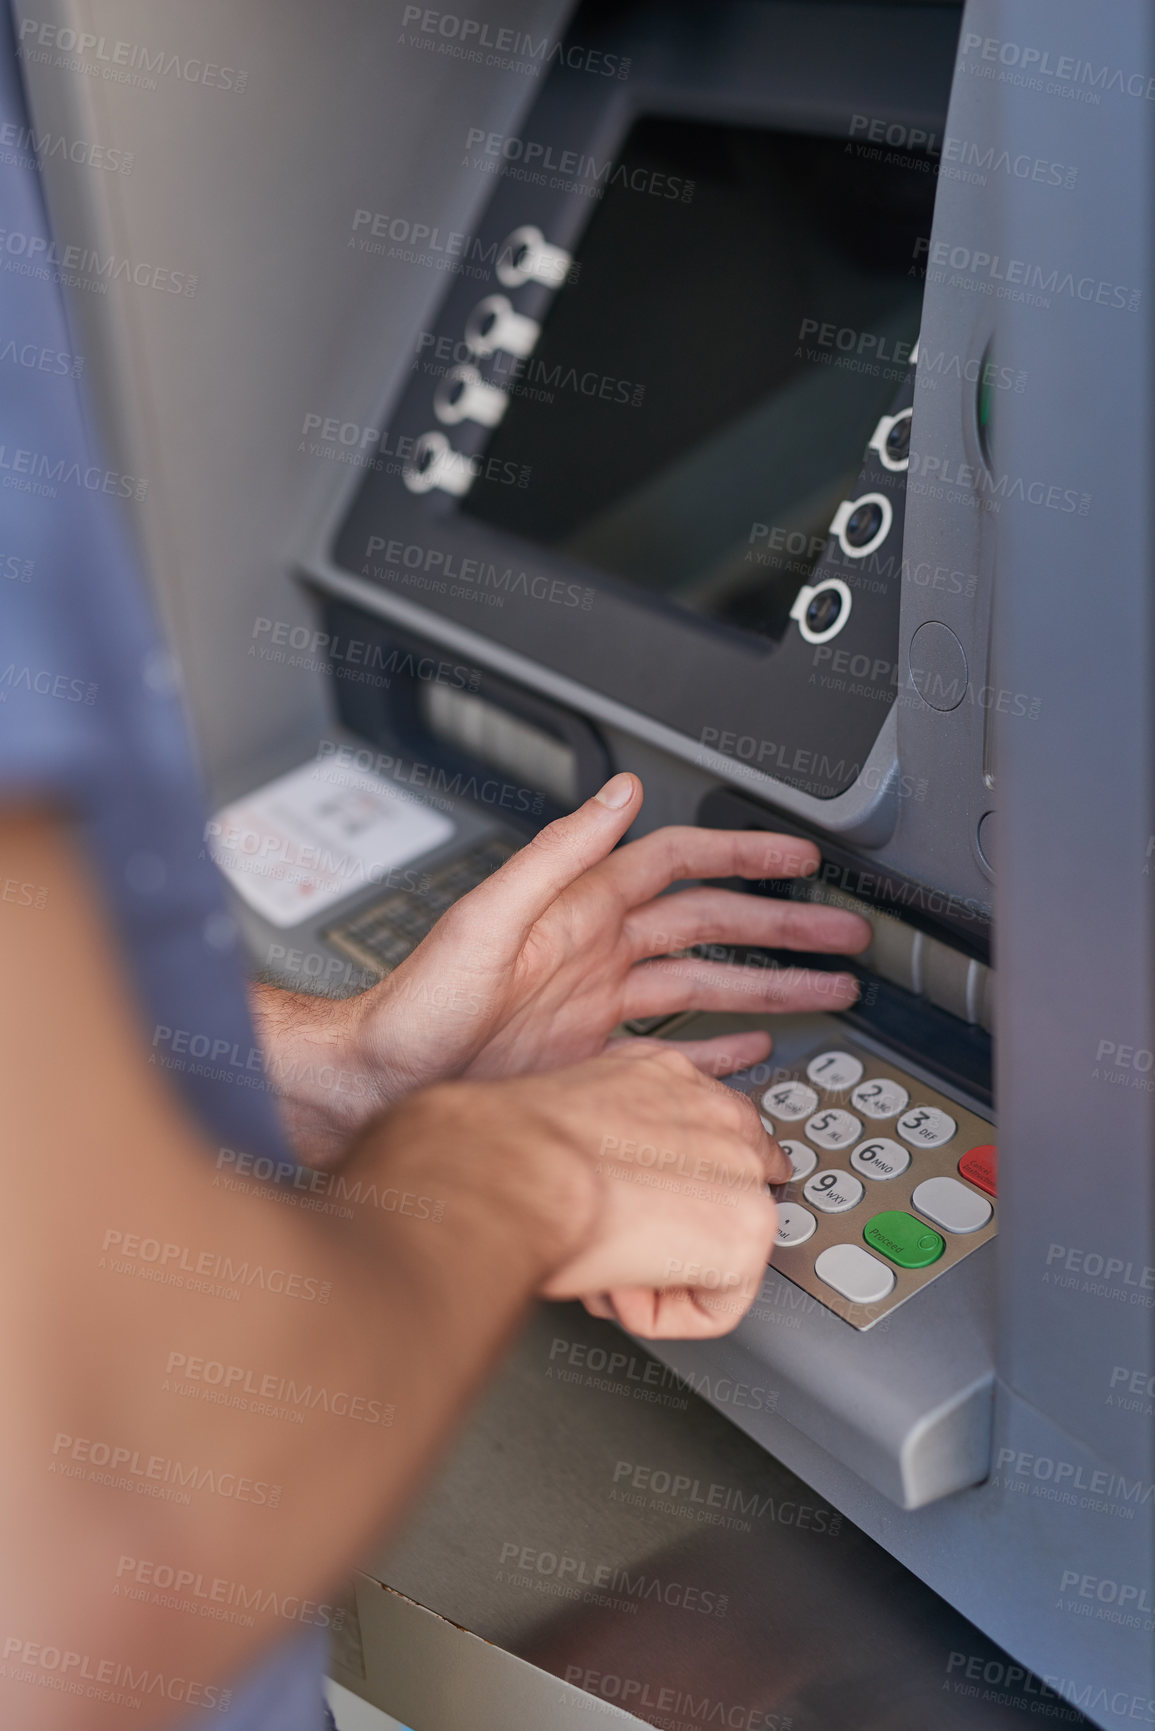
pixel 834 1070
pixel 880 1098
pixel 951 1205
pixel 493 325
pixel 802 1158
pixel 833 1192
pixel 854 1273
pixel 880 1158
pixel 790 1101
pixel 795 1223
pixel 463 395
pixel 834 1128
pixel 435 463
pixel 527 256
pixel 926 1127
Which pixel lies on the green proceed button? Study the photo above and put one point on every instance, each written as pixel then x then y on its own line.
pixel 907 1241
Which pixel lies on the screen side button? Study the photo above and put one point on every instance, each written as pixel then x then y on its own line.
pixel 854 1273
pixel 981 1166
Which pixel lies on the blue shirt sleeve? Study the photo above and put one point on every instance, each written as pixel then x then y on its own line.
pixel 90 721
pixel 90 717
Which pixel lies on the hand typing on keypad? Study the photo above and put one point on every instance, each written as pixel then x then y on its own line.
pixel 535 967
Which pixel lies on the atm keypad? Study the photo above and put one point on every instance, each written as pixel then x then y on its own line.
pixel 867 1219
pixel 380 937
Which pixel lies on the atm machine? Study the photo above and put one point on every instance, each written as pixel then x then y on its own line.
pixel 774 419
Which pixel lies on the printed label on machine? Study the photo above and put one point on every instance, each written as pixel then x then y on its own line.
pixel 317 835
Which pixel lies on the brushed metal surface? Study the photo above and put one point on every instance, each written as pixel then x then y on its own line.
pixel 740 1598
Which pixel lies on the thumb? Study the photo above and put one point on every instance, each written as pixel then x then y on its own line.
pixel 520 892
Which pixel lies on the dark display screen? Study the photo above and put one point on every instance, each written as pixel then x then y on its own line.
pixel 701 396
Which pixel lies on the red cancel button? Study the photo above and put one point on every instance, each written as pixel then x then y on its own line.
pixel 981 1166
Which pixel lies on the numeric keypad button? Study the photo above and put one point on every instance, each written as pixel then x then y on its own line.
pixel 834 1070
pixel 879 1157
pixel 833 1129
pixel 926 1127
pixel 833 1192
pixel 802 1158
pixel 795 1224
pixel 879 1097
pixel 789 1101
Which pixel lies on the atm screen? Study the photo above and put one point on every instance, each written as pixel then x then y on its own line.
pixel 743 310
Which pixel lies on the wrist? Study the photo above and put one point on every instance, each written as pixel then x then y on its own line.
pixel 480 1148
pixel 314 1056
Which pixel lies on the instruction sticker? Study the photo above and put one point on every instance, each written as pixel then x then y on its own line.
pixel 319 834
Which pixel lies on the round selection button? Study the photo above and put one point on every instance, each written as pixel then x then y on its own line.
pixel 834 1070
pixel 833 1192
pixel 789 1101
pixel 880 1098
pixel 879 1157
pixel 926 1127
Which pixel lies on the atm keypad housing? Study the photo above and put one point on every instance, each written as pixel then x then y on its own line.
pixel 887 1170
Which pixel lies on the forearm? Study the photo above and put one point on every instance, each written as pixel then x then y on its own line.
pixel 326 1090
pixel 201 1379
pixel 287 1427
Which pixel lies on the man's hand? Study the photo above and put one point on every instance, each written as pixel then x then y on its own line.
pixel 537 966
pixel 640 1181
pixel 363 1330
